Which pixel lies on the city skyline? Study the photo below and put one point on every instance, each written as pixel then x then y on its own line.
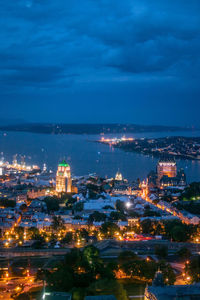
pixel 131 62
pixel 100 149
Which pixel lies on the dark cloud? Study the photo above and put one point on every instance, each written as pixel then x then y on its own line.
pixel 79 48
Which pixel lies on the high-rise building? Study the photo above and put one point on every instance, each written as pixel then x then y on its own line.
pixel 63 178
pixel 166 168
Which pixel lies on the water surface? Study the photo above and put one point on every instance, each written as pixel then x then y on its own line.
pixel 85 156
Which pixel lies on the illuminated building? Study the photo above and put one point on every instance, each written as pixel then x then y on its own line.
pixel 160 291
pixel 118 176
pixel 15 160
pixel 23 161
pixel 63 178
pixel 166 168
pixel 36 193
pixel 44 168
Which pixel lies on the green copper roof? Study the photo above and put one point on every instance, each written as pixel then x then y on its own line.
pixel 63 164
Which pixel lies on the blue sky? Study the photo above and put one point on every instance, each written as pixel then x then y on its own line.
pixel 100 61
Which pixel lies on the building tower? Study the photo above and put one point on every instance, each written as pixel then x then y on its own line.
pixel 63 178
pixel 118 176
pixel 166 168
pixel 44 168
pixel 15 160
pixel 23 164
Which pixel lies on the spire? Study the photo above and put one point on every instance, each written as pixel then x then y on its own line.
pixel 158 279
pixel 63 163
pixel 118 176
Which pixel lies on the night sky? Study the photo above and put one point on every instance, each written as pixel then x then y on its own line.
pixel 73 61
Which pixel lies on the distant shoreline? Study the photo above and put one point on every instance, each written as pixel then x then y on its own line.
pixel 91 129
pixel 177 147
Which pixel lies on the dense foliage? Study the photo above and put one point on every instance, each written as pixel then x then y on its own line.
pixel 7 203
pixel 78 270
pixel 173 229
pixel 144 269
pixel 192 192
pixel 193 269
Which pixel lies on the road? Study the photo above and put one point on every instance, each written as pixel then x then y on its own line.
pixel 12 286
pixel 15 252
pixel 165 206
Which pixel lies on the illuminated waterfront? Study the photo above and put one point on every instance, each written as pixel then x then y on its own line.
pixel 86 156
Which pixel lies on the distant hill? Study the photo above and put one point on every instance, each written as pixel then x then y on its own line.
pixel 49 128
pixel 5 121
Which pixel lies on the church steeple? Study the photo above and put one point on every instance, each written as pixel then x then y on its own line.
pixel 158 279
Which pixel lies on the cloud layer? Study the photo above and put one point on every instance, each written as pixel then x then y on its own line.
pixel 76 48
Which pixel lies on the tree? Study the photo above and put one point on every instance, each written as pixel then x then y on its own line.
pixel 23 207
pixel 120 206
pixel 52 203
pixel 33 232
pixel 193 269
pixel 19 231
pixel 116 216
pixel 150 213
pixel 139 268
pixel 161 251
pixel 41 275
pixel 83 233
pixel 61 280
pixel 39 243
pixel 78 206
pixel 192 192
pixel 126 256
pixel 68 238
pixel 94 190
pixel 57 223
pixel 78 293
pixel 168 272
pixel 108 287
pixel 97 217
pixel 91 257
pixel 78 270
pixel 178 231
pixel 146 269
pixel 70 202
pixel 184 253
pixel 108 229
pixel 146 226
pixel 167 198
pixel 7 203
pixel 108 207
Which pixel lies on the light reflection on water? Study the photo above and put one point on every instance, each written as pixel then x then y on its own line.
pixel 86 156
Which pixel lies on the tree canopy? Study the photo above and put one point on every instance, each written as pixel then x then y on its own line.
pixel 192 192
pixel 108 229
pixel 79 270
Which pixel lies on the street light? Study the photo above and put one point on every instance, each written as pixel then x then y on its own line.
pixel 128 204
pixel 188 278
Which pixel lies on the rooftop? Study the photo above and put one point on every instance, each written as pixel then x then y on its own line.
pixel 63 164
pixel 56 296
pixel 181 292
pixel 101 297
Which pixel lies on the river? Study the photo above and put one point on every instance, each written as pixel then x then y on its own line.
pixel 85 156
